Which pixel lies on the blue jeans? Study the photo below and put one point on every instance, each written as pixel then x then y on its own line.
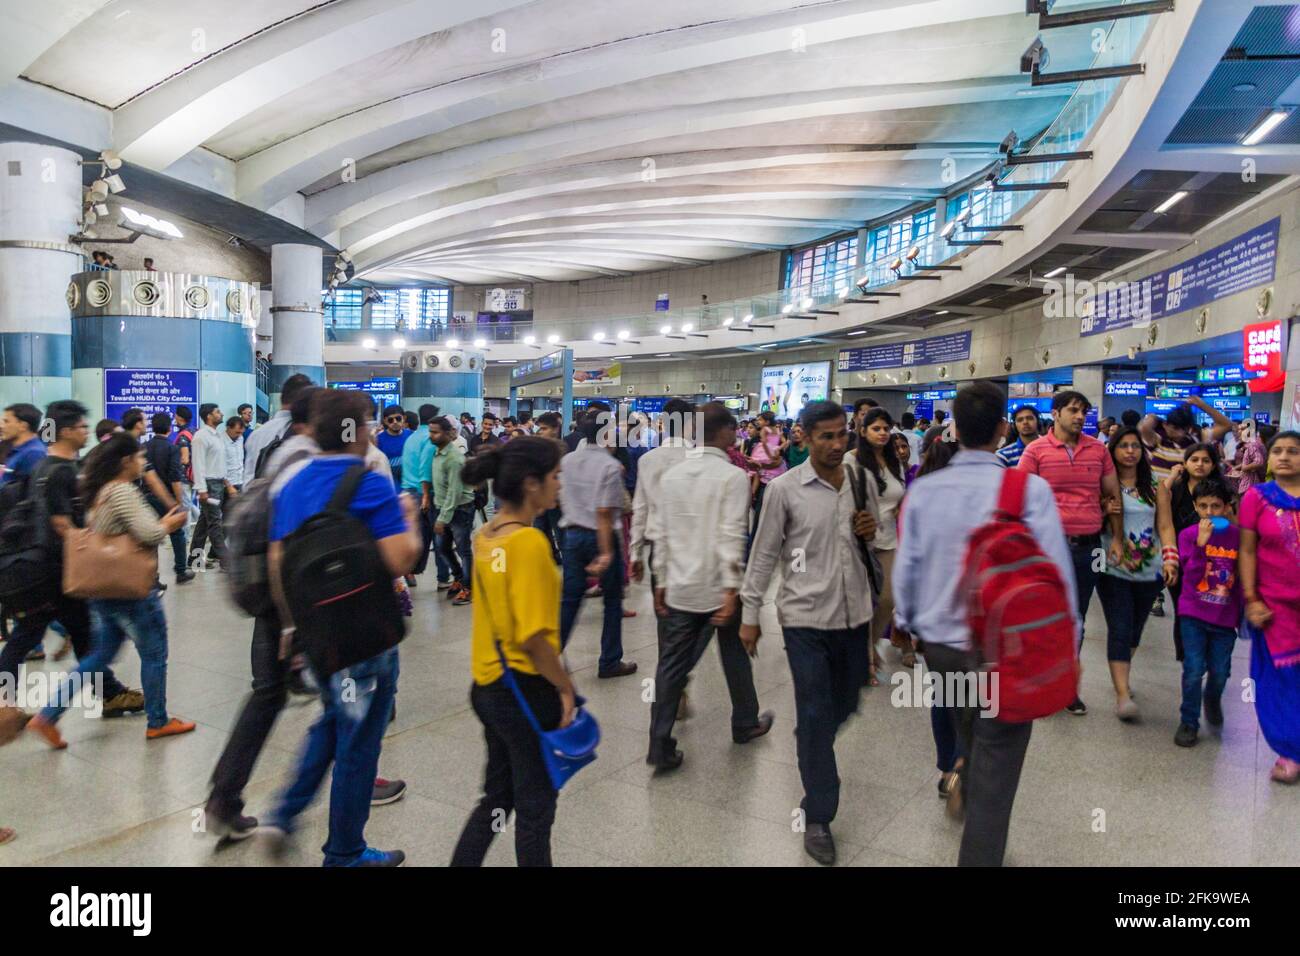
pixel 456 545
pixel 111 623
pixel 358 704
pixel 829 669
pixel 1083 548
pixel 1206 648
pixel 579 550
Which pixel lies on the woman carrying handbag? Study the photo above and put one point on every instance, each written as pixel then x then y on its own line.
pixel 113 563
pixel 516 623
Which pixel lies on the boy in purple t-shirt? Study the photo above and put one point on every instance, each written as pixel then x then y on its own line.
pixel 1209 607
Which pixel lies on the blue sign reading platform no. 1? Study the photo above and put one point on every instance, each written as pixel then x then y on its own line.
pixel 149 389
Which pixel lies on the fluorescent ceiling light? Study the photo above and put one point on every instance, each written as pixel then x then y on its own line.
pixel 1269 124
pixel 529 339
pixel 749 318
pixel 942 312
pixel 480 343
pixel 728 320
pixel 552 338
pixel 1054 273
pixel 665 329
pixel 859 332
pixel 687 326
pixel 453 343
pixel 598 336
pixel 1171 202
pixel 623 333
pixel 399 343
pixel 663 355
pixel 806 304
pixel 368 343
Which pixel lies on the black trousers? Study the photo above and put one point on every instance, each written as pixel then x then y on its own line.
pixel 516 779
pixel 683 637
pixel 29 629
pixel 426 536
pixel 179 556
pixel 991 774
pixel 256 719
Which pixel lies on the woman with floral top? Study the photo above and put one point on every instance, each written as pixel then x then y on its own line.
pixel 1138 566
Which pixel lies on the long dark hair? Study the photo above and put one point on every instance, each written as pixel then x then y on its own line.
pixel 936 456
pixel 867 451
pixel 1146 487
pixel 1184 478
pixel 510 464
pixel 104 463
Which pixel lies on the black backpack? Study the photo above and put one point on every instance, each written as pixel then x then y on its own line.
pixel 336 585
pixel 247 521
pixel 29 565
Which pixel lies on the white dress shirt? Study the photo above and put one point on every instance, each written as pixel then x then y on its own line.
pixel 208 456
pixel 699 523
pixel 649 472
pixel 806 528
pixel 234 449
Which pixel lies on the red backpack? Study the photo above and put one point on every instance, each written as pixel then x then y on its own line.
pixel 1018 611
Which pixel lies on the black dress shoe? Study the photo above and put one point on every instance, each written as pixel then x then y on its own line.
pixel 819 844
pixel 668 761
pixel 753 733
pixel 184 577
pixel 1214 711
pixel 621 669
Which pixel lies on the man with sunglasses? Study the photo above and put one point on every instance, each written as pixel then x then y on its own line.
pixel 392 439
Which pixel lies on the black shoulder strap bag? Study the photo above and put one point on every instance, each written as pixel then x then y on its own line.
pixel 861 501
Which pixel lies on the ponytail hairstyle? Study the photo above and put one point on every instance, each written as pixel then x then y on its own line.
pixel 510 464
pixel 867 451
pixel 104 463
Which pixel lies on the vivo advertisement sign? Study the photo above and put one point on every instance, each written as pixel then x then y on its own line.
pixel 151 390
pixel 1245 262
pixel 932 351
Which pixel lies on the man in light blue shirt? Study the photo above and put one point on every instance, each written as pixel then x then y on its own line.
pixel 417 466
pixel 939 513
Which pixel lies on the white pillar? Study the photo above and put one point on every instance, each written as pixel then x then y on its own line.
pixel 40 207
pixel 296 272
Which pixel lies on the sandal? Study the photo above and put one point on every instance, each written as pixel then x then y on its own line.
pixel 1285 771
pixel 7 835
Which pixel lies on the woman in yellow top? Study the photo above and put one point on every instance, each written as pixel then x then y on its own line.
pixel 516 608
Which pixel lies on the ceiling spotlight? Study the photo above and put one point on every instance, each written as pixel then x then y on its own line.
pixel 1269 124
pixel 343 254
pixel 896 265
pixel 913 253
pixel 399 343
pixel 110 159
pixel 453 343
pixel 368 343
pixel 529 339
pixel 98 190
pixel 552 338
pixel 749 318
pixel 88 234
pixel 1054 273
pixel 786 310
pixel 949 228
pixel 480 343
pixel 665 329
pixel 115 183
pixel 598 336
pixel 686 327
pixel 1171 202
pixel 963 215
pixel 728 320
pixel 806 304
pixel 101 209
pixel 89 217
pixel 623 333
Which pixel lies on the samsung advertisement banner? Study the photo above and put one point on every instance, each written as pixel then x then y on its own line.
pixel 150 390
pixel 786 389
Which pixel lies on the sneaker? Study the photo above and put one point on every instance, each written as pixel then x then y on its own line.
pixel 233 828
pixel 299 686
pixel 462 598
pixel 170 729
pixel 454 589
pixel 1158 609
pixel 594 591
pixel 1185 736
pixel 443 585
pixel 210 563
pixel 47 732
pixel 185 577
pixel 1214 711
pixel 410 580
pixel 387 791
pixel 1127 709
pixel 373 857
pixel 1285 771
pixel 1078 708
pixel 274 840
pixel 36 654
pixel 127 702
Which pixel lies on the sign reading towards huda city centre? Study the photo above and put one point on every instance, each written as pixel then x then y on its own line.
pixel 151 390
pixel 1242 263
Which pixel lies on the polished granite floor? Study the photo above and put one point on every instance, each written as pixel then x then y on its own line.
pixel 1094 791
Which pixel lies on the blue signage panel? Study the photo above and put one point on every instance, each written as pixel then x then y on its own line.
pixel 151 390
pixel 1127 389
pixel 1242 263
pixel 385 391
pixel 932 351
pixel 1228 373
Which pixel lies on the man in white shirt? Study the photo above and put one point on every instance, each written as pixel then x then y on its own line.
pixel 699 523
pixel 677 421
pixel 233 446
pixel 208 454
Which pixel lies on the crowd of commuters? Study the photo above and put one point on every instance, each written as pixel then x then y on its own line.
pixel 848 522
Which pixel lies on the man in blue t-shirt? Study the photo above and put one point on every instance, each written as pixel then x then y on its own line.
pixel 391 439
pixel 358 699
pixel 20 428
pixel 417 465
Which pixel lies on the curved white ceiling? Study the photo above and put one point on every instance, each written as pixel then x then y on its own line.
pixel 560 139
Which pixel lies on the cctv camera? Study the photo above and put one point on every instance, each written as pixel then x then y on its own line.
pixel 1035 58
pixel 1133 351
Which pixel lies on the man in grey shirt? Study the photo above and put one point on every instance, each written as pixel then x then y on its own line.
pixel 591 498
pixel 811 527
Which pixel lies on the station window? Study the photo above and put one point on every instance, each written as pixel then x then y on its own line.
pixel 821 262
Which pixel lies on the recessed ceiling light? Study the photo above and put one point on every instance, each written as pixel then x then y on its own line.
pixel 728 320
pixel 480 343
pixel 859 332
pixel 942 312
pixel 598 336
pixel 665 329
pixel 1243 88
pixel 1269 124
pixel 623 333
pixel 687 326
pixel 663 355
pixel 368 343
pixel 1053 274
pixel 529 339
pixel 1171 202
pixel 453 343
pixel 749 318
pixel 552 338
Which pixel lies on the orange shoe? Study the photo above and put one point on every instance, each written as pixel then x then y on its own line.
pixel 50 733
pixel 170 729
